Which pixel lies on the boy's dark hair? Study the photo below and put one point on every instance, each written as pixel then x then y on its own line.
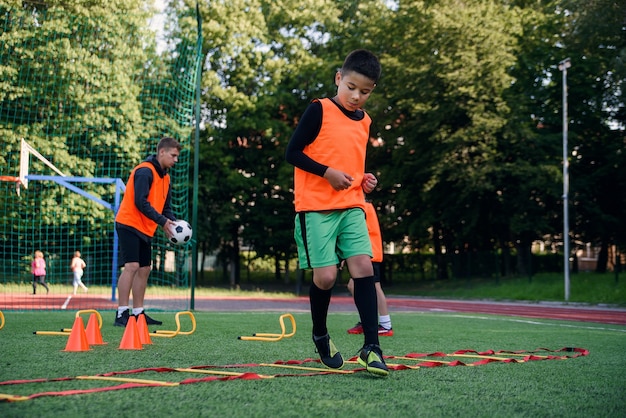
pixel 166 143
pixel 363 62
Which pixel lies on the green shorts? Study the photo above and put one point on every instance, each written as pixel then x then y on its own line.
pixel 324 238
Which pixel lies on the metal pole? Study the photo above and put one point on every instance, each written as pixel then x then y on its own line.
pixel 196 167
pixel 563 66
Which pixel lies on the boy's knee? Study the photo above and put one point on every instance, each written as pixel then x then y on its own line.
pixel 325 280
pixel 325 283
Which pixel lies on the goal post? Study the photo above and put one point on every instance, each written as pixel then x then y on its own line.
pixel 120 187
pixel 26 150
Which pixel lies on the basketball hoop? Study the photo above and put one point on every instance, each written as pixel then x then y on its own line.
pixel 17 181
pixel 22 179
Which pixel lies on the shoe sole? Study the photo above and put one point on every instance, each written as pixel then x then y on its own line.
pixel 373 370
pixel 331 367
pixel 377 372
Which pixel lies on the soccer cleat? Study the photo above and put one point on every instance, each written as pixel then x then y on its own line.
pixel 371 356
pixel 357 329
pixel 122 320
pixel 329 355
pixel 384 332
pixel 150 321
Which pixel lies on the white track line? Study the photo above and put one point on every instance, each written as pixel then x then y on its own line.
pixel 67 301
pixel 525 321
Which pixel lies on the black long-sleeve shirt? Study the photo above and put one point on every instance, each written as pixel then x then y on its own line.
pixel 307 130
pixel 143 181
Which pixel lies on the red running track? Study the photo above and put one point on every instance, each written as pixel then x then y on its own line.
pixel 528 310
pixel 547 310
pixel 567 312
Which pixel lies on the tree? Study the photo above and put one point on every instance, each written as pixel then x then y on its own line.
pixel 71 87
pixel 595 39
pixel 446 73
pixel 256 81
pixel 467 132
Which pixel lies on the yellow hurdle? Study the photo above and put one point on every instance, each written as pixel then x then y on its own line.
pixel 61 333
pixel 67 331
pixel 177 331
pixel 274 337
pixel 1 320
pixel 89 311
pixel 84 311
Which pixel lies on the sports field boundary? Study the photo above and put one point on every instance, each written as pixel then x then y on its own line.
pixel 339 303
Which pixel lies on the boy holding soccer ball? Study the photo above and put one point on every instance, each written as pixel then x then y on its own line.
pixel 328 151
pixel 145 206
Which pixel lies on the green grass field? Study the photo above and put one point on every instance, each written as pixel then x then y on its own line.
pixel 590 288
pixel 585 287
pixel 590 386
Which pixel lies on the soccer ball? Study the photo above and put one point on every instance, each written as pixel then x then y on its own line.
pixel 181 233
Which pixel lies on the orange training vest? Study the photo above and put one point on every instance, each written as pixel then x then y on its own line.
pixel 373 228
pixel 340 144
pixel 130 215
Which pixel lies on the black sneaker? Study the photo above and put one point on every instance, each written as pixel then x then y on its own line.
pixel 371 356
pixel 122 320
pixel 329 355
pixel 151 321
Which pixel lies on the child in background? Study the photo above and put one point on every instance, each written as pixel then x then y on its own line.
pixel 77 266
pixel 38 268
pixel 384 320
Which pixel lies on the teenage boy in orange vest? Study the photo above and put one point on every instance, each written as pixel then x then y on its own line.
pixel 145 206
pixel 328 151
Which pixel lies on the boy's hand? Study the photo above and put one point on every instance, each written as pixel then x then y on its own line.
pixel 338 179
pixel 369 182
pixel 168 228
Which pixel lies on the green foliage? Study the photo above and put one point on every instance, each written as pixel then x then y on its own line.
pixel 466 138
pixel 86 89
pixel 467 117
pixel 588 288
pixel 255 64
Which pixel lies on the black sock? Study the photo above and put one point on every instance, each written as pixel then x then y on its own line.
pixel 319 300
pixel 366 303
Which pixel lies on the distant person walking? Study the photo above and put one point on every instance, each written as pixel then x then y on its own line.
pixel 38 268
pixel 78 265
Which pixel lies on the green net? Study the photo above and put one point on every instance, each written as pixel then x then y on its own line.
pixel 89 95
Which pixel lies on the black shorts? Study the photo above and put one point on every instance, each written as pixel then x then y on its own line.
pixel 133 248
pixel 376 266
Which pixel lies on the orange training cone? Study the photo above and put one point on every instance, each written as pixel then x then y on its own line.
pixel 94 337
pixel 78 338
pixel 142 327
pixel 130 339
